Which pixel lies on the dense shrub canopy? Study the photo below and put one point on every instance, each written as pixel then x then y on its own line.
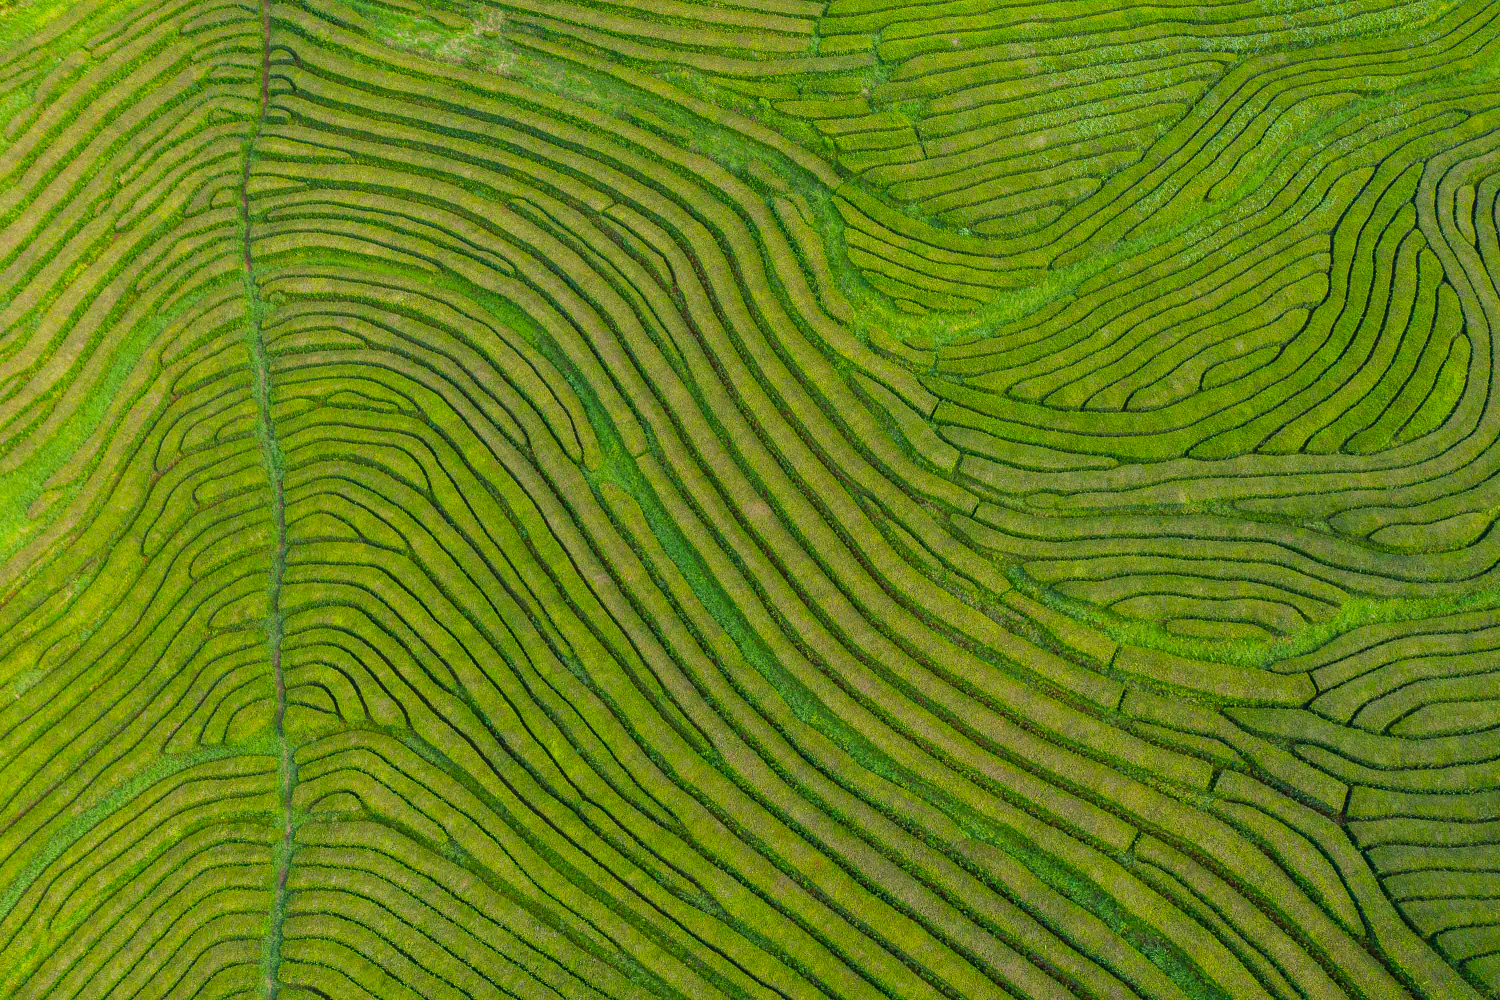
pixel 750 499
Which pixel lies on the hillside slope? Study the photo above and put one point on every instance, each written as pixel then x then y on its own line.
pixel 756 499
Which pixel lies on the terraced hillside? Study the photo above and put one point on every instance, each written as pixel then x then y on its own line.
pixel 755 499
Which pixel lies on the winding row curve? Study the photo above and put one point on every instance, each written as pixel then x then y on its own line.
pixel 778 499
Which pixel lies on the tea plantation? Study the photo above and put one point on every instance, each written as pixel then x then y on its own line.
pixel 750 499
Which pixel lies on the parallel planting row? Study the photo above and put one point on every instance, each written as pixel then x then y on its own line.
pixel 493 503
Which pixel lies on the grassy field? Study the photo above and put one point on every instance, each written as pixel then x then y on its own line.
pixel 750 499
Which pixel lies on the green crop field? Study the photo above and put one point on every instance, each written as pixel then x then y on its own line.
pixel 750 499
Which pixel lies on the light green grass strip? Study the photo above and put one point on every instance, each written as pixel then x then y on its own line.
pixel 256 309
pixel 20 19
pixel 1357 612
